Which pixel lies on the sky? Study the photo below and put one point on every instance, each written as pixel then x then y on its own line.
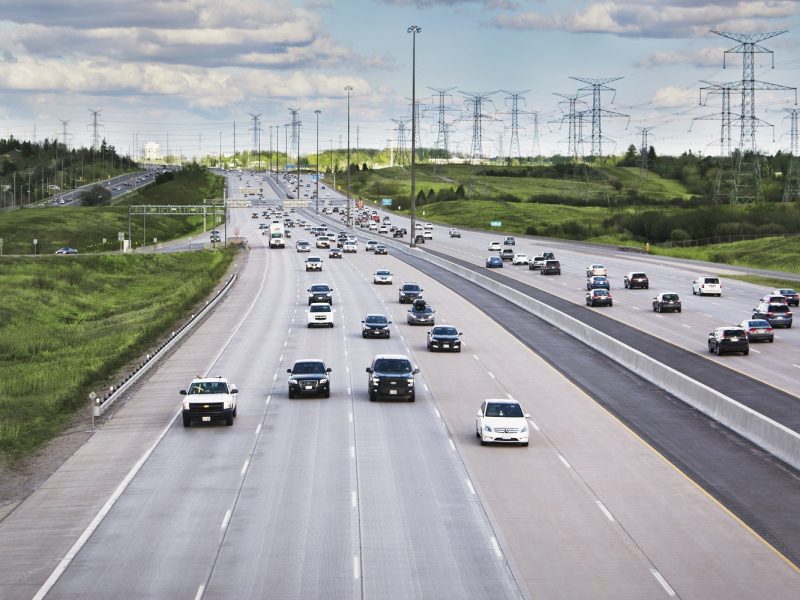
pixel 186 73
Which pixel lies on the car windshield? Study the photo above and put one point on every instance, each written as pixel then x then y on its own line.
pixel 304 368
pixel 758 323
pixel 637 275
pixel 382 273
pixel 411 288
pixel 711 280
pixel 445 331
pixel 320 308
pixel 319 288
pixel 600 292
pixel 376 320
pixel 788 292
pixel 733 333
pixel 208 387
pixel 778 308
pixel 392 365
pixel 503 409
pixel 669 297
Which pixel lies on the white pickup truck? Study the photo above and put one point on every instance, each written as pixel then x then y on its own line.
pixel 209 399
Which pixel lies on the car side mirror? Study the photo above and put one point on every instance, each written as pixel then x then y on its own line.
pixel 234 391
pixel 369 369
pixel 479 414
pixel 389 323
pixel 328 370
pixel 288 371
pixel 415 371
pixel 362 321
pixel 527 415
pixel 183 392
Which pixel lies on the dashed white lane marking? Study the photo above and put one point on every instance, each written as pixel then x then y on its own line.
pixel 707 315
pixel 274 377
pixel 355 567
pixel 258 429
pixel 475 356
pixel 200 591
pixel 686 325
pixel 426 387
pixel 244 467
pixel 491 375
pixel 226 519
pixel 280 360
pixel 349 390
pixel 606 512
pixel 754 350
pixel 496 547
pixel 350 416
pixel 796 365
pixel 354 499
pixel 564 460
pixel 660 579
pixel 635 307
pixel 347 369
pixel 352 451
pixel 471 488
pixel 534 425
pixel 452 445
pixel 268 400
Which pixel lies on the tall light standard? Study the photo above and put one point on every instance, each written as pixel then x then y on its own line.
pixel 286 161
pixel 348 89
pixel 413 30
pixel 316 112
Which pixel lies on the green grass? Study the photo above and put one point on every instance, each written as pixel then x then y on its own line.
pixel 67 323
pixel 777 254
pixel 85 228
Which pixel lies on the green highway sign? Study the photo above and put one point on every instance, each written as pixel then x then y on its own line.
pixel 496 223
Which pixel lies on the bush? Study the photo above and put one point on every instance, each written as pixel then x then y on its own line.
pixel 679 235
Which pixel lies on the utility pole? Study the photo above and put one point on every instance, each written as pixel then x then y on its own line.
pixel 317 112
pixel 413 30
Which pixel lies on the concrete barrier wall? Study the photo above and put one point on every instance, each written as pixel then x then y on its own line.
pixel 770 435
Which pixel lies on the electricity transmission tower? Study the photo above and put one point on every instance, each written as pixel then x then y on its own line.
pixel 416 111
pixel 256 129
pixel 644 149
pixel 596 112
pixel 294 137
pixel 64 138
pixel 791 189
pixel 536 150
pixel 515 98
pixel 475 102
pixel 574 124
pixel 401 152
pixel 747 177
pixel 724 185
pixel 443 134
pixel 95 125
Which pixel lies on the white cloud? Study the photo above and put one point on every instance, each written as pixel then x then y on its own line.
pixel 673 97
pixel 702 58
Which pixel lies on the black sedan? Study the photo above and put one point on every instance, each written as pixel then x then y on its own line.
pixel 444 337
pixel 758 330
pixel 381 249
pixel 375 326
pixel 309 377
pixel 420 313
pixel 335 253
pixel 494 262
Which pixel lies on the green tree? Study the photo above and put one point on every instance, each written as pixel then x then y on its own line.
pixel 95 196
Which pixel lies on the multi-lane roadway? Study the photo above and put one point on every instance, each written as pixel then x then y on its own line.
pixel 344 498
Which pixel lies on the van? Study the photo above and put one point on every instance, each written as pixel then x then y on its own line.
pixel 707 285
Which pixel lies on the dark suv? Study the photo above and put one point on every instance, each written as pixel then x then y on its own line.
pixel 636 280
pixel 309 376
pixel 409 292
pixel 551 267
pixel 391 376
pixel 320 292
pixel 728 339
pixel 667 301
pixel 778 315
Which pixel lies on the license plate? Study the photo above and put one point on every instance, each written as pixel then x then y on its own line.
pixel 392 392
pixel 734 339
pixel 308 387
pixel 206 419
pixel 445 345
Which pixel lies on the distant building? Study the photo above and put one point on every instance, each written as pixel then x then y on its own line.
pixel 152 151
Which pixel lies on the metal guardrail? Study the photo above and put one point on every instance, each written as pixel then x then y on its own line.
pixel 102 404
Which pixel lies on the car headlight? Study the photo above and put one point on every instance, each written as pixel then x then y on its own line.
pixel 186 405
pixel 323 380
pixel 524 429
pixel 487 428
pixel 376 380
pixel 410 381
pixel 293 382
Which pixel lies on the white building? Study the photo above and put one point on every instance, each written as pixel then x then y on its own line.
pixel 152 151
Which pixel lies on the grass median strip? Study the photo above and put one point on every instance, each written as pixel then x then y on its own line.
pixel 67 325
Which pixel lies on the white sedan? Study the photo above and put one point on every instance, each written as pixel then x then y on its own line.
pixel 596 269
pixel 382 276
pixel 495 247
pixel 503 421
pixel 520 259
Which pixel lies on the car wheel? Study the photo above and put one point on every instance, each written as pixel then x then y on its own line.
pixel 679 310
pixel 412 398
pixel 524 444
pixel 363 335
pixel 331 324
pixel 718 351
pixel 371 397
pixel 772 339
pixel 327 393
pixel 611 303
pixel 187 420
pixel 291 394
pixel 234 410
pixel 693 292
pixel 746 352
pixel 229 420
pixel 477 433
pixel 647 286
pixel 789 326
pixel 710 348
pixel 483 442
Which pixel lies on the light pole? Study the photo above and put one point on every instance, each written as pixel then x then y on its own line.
pixel 413 30
pixel 348 89
pixel 316 112
pixel 286 160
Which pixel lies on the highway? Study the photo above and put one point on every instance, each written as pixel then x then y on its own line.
pixel 344 498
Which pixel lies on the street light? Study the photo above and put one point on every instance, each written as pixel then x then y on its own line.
pixel 413 30
pixel 316 112
pixel 348 89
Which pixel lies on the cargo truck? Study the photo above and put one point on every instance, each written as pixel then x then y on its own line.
pixel 277 239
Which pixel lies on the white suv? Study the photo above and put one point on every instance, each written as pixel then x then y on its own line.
pixel 707 285
pixel 320 314
pixel 502 421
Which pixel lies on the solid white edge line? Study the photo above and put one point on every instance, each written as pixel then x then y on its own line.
pixel 355 568
pixel 226 519
pixel 475 356
pixel 606 512
pixel 200 591
pixel 663 582
pixel 98 518
pixel 564 460
pixel 795 365
pixel 471 487
pixel 496 547
pixel 533 424
pixel 436 410
pixel 244 467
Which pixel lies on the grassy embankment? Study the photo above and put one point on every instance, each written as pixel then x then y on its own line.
pixel 85 228
pixel 69 322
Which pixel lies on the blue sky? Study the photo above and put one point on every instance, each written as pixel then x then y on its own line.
pixel 191 68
